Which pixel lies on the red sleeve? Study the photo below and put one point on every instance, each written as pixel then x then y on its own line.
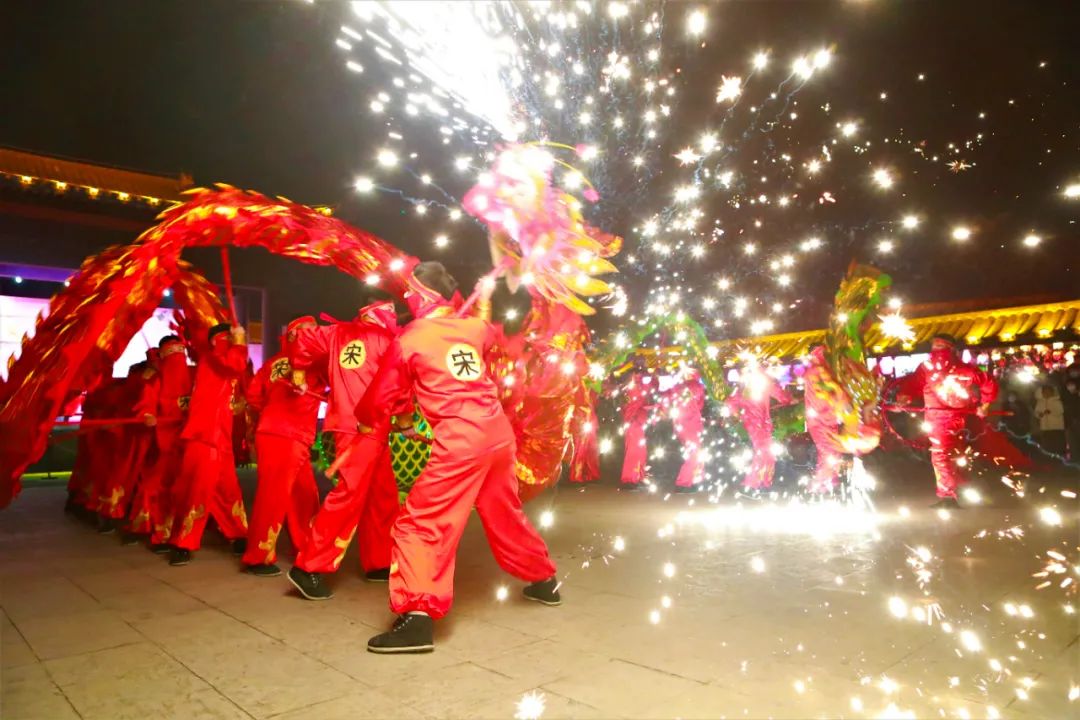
pixel 988 387
pixel 236 360
pixel 392 386
pixel 311 347
pixel 781 395
pixel 257 388
pixel 912 385
pixel 148 396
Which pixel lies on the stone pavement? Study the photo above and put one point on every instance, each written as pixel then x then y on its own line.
pixel 788 613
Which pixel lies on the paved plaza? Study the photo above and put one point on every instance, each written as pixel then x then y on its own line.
pixel 673 608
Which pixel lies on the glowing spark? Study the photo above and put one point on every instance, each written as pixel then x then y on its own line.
pixel 961 233
pixel 669 570
pixel 894 325
pixel 802 68
pixel 665 602
pixel 696 22
pixel 687 156
pixel 970 641
pixel 761 59
pixel 1072 191
pixel 910 222
pixel 883 178
pixel 501 593
pixel 530 706
pixel 442 241
pixel 813 166
pixel 1050 516
pixel 898 607
pixel 886 246
pixel 547 519
pixel 618 544
pixel 848 129
pixel 364 184
pixel 1032 240
pixel 757 564
pixel 654 616
pixel 387 158
pixel 730 88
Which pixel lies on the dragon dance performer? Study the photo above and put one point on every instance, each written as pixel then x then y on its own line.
pixel 751 406
pixel 152 504
pixel 823 398
pixel 134 445
pixel 95 449
pixel 350 354
pixel 686 401
pixel 443 363
pixel 636 413
pixel 207 483
pixel 286 490
pixel 952 390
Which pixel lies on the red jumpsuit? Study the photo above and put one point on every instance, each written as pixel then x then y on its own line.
pixel 751 405
pixel 636 411
pixel 951 390
pixel 350 355
pixel 151 511
pixel 95 445
pixel 472 465
pixel 822 398
pixel 283 438
pixel 134 443
pixel 207 483
pixel 687 400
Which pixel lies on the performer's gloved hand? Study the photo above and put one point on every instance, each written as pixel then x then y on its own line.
pixel 239 335
pixel 149 420
pixel 983 410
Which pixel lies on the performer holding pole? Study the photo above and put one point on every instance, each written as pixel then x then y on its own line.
pixel 442 362
pixel 207 484
pixel 286 491
pixel 350 354
pixel 951 390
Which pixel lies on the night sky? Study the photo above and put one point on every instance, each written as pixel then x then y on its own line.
pixel 256 94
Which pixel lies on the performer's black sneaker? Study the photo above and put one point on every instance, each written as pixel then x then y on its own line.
pixel 106 526
pixel 179 557
pixel 545 591
pixel 409 634
pixel 161 548
pixel 378 576
pixel 310 585
pixel 239 547
pixel 946 504
pixel 129 538
pixel 263 570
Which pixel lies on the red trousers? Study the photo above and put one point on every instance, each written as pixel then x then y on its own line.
pixel 127 468
pixel 830 455
pixel 427 533
pixel 366 494
pixel 947 442
pixel 207 485
pixel 636 453
pixel 286 492
pixel 153 509
pixel 689 429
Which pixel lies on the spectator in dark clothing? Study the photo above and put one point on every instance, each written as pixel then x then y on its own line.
pixel 1070 399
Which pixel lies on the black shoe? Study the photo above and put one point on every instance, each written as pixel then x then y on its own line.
pixel 310 585
pixel 239 547
pixel 129 538
pixel 410 634
pixel 106 526
pixel 948 503
pixel 545 591
pixel 161 548
pixel 71 507
pixel 378 576
pixel 179 557
pixel 262 570
pixel 632 487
